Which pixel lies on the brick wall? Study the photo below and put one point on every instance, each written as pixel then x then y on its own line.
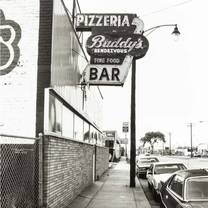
pixel 68 169
pixel 102 161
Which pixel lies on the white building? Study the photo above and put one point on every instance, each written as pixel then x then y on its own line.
pixel 203 148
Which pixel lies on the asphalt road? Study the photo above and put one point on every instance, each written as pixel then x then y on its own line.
pixel 189 162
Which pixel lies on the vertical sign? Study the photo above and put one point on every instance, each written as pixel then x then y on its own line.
pixel 125 127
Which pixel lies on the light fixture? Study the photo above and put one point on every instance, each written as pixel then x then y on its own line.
pixel 176 31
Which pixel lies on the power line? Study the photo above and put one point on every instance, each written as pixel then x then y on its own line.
pixel 167 8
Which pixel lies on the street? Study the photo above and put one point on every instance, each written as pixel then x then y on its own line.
pixel 191 163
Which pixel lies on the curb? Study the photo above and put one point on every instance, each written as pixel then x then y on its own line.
pixel 140 197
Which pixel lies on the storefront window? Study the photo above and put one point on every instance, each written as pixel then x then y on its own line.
pixel 67 123
pixel 55 115
pixel 94 138
pixel 86 136
pixel 99 141
pixel 78 128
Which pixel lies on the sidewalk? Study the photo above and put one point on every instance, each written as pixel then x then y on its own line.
pixel 113 191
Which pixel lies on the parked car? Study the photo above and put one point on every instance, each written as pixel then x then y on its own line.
pixel 186 189
pixel 196 154
pixel 160 172
pixel 141 156
pixel 143 164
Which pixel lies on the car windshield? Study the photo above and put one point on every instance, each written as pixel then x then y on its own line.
pixel 196 189
pixel 168 168
pixel 148 160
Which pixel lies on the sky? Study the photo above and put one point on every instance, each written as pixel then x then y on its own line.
pixel 171 80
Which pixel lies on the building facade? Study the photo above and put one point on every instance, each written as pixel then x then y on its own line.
pixel 43 104
pixel 42 92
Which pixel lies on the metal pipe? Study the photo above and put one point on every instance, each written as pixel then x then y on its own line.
pixel 133 122
pixel 191 139
pixel 158 26
pixel 170 142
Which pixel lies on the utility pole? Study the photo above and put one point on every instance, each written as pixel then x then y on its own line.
pixel 133 106
pixel 191 125
pixel 125 145
pixel 170 142
pixel 133 125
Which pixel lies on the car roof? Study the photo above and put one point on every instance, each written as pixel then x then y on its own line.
pixel 192 173
pixel 147 157
pixel 169 163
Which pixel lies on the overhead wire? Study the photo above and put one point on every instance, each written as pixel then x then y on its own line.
pixel 167 8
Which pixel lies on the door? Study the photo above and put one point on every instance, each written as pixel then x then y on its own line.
pixel 173 194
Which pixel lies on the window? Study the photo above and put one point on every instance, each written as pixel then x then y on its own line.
pixel 86 136
pixel 78 128
pixel 99 140
pixel 94 135
pixel 55 115
pixel 176 185
pixel 196 189
pixel 149 160
pixel 168 168
pixel 109 143
pixel 67 123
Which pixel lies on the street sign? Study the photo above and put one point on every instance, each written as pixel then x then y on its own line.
pixel 125 127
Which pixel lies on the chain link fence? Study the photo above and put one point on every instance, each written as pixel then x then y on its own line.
pixel 19 172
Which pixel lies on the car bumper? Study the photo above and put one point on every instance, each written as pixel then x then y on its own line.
pixel 142 171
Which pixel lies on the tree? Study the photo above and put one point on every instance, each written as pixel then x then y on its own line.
pixel 152 138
